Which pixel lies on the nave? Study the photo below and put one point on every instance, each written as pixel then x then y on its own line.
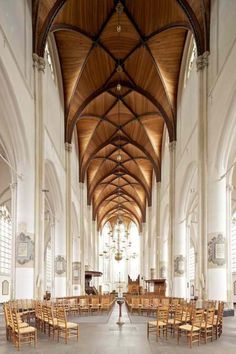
pixel 99 334
pixel 117 170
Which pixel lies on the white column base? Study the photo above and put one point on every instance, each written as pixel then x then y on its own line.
pixel 60 286
pixel 180 287
pixel 24 283
pixel 217 284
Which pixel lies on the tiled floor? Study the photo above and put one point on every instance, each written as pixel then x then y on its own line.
pixel 109 338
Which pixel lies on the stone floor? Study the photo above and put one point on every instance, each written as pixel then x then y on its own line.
pixel 103 336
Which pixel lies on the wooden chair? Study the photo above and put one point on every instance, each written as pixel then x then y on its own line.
pixel 145 306
pixel 192 330
pixel 52 321
pixel 177 320
pixel 165 301
pixel 65 328
pixel 155 304
pixel 135 304
pixel 22 334
pixel 73 306
pixel 218 321
pixel 84 306
pixel 161 323
pixel 105 304
pixel 95 305
pixel 38 315
pixel 207 325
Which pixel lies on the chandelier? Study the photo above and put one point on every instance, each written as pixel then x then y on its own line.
pixel 119 245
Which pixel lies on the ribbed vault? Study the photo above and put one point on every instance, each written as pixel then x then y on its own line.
pixel 120 63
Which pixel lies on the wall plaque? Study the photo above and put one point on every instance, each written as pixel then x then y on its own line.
pixel 5 287
pixel 179 265
pixel 24 249
pixel 60 265
pixel 216 250
pixel 76 269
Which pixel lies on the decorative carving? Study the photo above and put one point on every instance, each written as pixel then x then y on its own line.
pixel 163 272
pixel 68 147
pixel 202 61
pixel 76 272
pixel 60 265
pixel 24 249
pixel 179 265
pixel 216 250
pixel 5 287
pixel 38 62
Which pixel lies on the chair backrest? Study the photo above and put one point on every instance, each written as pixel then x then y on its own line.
pixel 94 300
pixel 197 318
pixel 178 316
pixel 175 301
pixel 210 316
pixel 220 312
pixel 15 321
pixel 163 314
pixel 50 313
pixel 145 301
pixel 45 312
pixel 165 301
pixel 83 302
pixel 135 301
pixel 155 302
pixel 61 317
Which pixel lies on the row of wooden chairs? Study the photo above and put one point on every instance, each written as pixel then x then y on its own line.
pixel 149 305
pixel 17 330
pixel 196 324
pixel 53 319
pixel 87 305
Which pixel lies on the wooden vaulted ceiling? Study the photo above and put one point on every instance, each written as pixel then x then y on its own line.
pixel 120 89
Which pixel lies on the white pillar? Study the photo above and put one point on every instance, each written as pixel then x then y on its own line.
pixel 158 230
pixel 82 239
pixel 179 286
pixel 229 190
pixel 69 241
pixel 217 245
pixel 172 149
pixel 202 66
pixel 13 187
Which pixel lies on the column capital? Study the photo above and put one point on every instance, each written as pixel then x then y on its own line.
pixel 172 146
pixel 39 62
pixel 68 147
pixel 202 61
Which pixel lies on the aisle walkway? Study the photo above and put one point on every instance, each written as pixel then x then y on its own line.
pixel 109 338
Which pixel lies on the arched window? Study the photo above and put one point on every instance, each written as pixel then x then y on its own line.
pixel 5 241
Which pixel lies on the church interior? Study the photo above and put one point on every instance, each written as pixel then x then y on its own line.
pixel 117 176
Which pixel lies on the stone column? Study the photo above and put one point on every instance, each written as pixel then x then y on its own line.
pixel 39 66
pixel 69 241
pixel 158 230
pixel 179 285
pixel 172 149
pixel 82 239
pixel 13 187
pixel 142 277
pixel 202 66
pixel 217 243
pixel 229 190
